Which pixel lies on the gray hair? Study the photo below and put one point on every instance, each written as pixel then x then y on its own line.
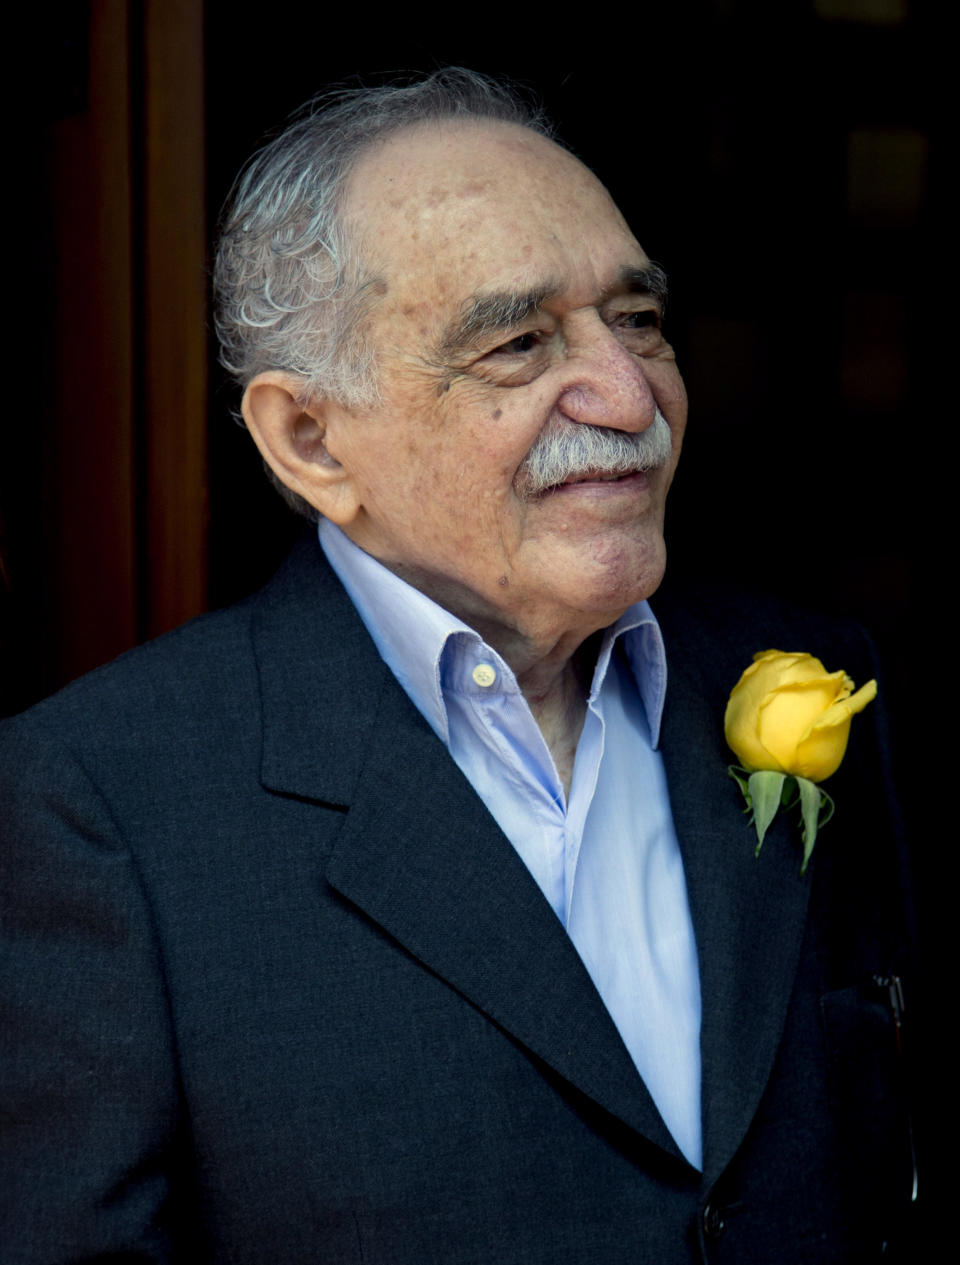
pixel 290 291
pixel 565 451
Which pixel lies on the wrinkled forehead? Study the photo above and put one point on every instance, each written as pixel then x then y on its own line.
pixel 454 206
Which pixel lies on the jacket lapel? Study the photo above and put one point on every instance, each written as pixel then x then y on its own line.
pixel 749 913
pixel 418 851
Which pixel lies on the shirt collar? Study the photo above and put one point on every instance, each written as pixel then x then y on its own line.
pixel 411 633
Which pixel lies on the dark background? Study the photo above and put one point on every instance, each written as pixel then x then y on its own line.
pixel 784 161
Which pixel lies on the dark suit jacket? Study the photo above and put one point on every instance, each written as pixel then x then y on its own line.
pixel 277 988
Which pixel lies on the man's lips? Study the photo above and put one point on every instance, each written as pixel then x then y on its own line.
pixel 596 477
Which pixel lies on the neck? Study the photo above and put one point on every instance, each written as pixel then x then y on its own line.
pixel 551 653
pixel 556 693
pixel 554 674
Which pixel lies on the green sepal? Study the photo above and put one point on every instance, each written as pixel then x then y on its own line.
pixel 740 776
pixel 791 792
pixel 765 789
pixel 816 809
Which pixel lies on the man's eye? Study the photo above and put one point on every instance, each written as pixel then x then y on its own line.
pixel 641 320
pixel 518 346
pixel 640 332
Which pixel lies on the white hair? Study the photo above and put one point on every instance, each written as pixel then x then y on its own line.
pixel 291 292
pixel 566 450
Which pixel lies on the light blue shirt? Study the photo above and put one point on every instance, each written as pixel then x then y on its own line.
pixel 607 860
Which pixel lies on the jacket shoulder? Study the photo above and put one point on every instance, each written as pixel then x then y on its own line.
pixel 179 675
pixel 197 677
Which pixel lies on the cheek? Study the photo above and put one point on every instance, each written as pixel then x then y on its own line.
pixel 671 397
pixel 669 392
pixel 481 445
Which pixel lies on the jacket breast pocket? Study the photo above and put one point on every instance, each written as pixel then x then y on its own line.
pixel 869 1098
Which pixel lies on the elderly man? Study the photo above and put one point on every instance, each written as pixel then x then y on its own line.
pixel 404 913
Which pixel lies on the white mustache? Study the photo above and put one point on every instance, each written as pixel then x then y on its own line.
pixel 566 450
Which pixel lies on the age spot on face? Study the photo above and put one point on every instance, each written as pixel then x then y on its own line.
pixel 497 414
pixel 502 581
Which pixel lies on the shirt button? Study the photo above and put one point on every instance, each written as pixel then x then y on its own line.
pixel 484 674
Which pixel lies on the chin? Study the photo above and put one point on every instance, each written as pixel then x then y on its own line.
pixel 617 578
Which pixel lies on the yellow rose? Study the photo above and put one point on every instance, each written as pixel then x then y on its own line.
pixel 787 713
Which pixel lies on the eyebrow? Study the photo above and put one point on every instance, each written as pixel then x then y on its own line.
pixel 650 280
pixel 496 311
pixel 491 313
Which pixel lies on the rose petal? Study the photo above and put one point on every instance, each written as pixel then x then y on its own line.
pixel 820 753
pixel 788 712
pixel 769 670
pixel 774 667
pixel 821 749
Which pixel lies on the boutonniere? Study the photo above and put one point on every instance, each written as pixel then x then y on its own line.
pixel 787 721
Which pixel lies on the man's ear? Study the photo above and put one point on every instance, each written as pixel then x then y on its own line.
pixel 290 435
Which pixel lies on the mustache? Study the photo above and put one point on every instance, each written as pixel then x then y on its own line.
pixel 566 450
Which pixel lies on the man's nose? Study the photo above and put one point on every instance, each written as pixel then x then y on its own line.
pixel 607 385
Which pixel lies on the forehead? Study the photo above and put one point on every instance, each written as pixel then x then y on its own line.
pixel 445 211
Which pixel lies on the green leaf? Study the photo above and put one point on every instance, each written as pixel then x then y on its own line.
pixel 740 777
pixel 765 789
pixel 791 792
pixel 827 807
pixel 811 804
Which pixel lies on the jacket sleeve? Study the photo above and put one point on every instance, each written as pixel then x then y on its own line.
pixel 89 1095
